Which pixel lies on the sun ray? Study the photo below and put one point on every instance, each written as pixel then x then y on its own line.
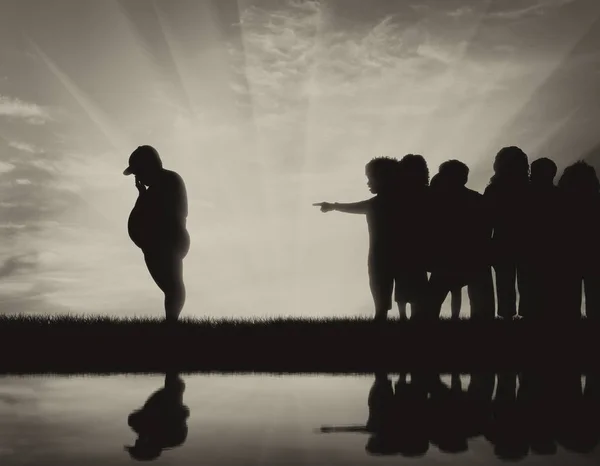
pixel 593 21
pixel 166 71
pixel 215 23
pixel 260 146
pixel 528 95
pixel 416 141
pixel 114 136
pixel 141 44
pixel 552 129
pixel 303 204
pixel 117 138
pixel 189 85
pixel 451 76
pixel 174 59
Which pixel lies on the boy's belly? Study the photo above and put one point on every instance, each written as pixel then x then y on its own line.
pixel 148 234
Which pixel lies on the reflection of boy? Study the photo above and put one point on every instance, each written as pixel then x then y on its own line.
pixel 161 422
pixel 379 211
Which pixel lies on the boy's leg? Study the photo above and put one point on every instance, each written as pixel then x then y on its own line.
pixel 412 287
pixel 420 297
pixel 481 294
pixel 381 283
pixel 166 268
pixel 400 296
pixel 455 302
pixel 438 289
pixel 570 293
pixel 526 287
pixel 505 289
pixel 538 278
pixel 380 314
pixel 591 282
pixel 402 310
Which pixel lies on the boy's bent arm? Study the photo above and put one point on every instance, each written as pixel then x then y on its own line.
pixel 174 202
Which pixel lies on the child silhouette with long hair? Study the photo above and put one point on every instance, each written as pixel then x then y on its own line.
pixel 157 225
pixel 580 193
pixel 437 185
pixel 507 199
pixel 542 266
pixel 412 235
pixel 381 221
pixel 460 235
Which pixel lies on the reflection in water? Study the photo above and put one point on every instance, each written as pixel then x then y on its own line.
pixel 242 419
pixel 530 413
pixel 162 422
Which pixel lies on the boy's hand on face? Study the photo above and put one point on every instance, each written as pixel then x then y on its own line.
pixel 140 186
pixel 325 206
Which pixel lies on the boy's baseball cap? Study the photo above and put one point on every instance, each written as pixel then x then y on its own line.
pixel 142 156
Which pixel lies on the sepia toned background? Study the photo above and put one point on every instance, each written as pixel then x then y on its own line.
pixel 263 107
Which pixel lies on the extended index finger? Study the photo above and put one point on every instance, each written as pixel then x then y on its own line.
pixel 318 204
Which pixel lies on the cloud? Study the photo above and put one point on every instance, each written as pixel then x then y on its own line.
pixel 32 113
pixel 29 299
pixel 44 165
pixel 11 226
pixel 504 48
pixel 6 167
pixel 535 9
pixel 25 147
pixel 31 193
pixel 17 264
pixel 304 69
pixel 296 54
pixel 460 12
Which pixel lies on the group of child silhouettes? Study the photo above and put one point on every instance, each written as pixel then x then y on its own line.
pixel 430 238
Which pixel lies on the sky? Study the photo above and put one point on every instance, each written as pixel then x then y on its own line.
pixel 263 107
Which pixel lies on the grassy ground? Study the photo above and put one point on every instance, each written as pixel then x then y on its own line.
pixel 74 344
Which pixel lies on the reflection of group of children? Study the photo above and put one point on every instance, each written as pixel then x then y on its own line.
pixel 535 415
pixel 538 237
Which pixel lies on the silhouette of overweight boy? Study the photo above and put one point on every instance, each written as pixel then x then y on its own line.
pixel 380 210
pixel 157 225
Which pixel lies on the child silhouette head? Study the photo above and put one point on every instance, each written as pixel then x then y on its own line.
pixel 413 171
pixel 543 171
pixel 511 165
pixel 579 179
pixel 381 174
pixel 454 173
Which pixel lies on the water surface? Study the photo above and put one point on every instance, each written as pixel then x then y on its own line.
pixel 233 419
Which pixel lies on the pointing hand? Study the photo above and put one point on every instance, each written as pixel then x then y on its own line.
pixel 325 206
